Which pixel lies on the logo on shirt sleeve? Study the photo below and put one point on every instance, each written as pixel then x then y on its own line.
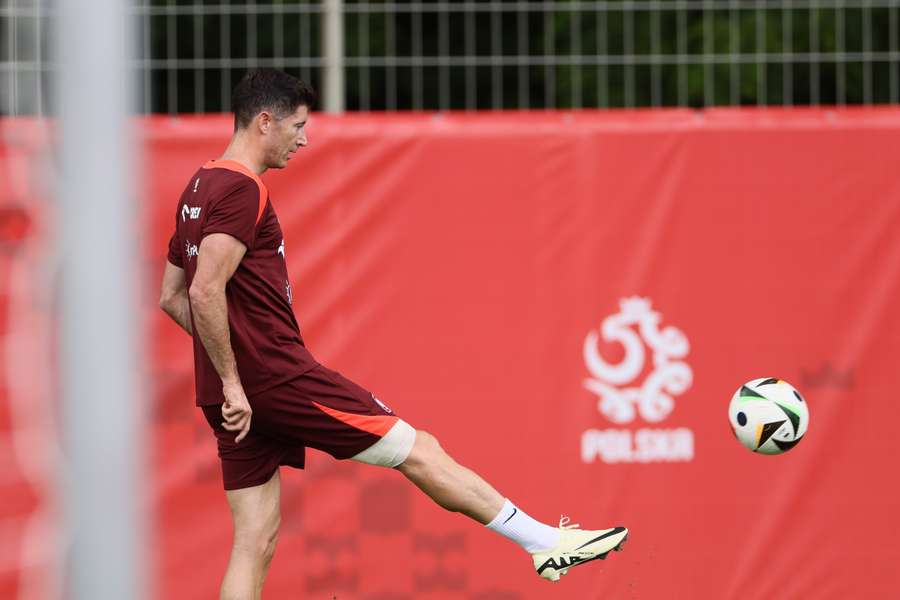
pixel 190 211
pixel 190 250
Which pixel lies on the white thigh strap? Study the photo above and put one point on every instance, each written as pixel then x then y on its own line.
pixel 392 449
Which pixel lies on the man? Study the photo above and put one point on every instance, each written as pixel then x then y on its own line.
pixel 263 394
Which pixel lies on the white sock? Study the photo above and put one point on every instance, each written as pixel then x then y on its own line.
pixel 512 523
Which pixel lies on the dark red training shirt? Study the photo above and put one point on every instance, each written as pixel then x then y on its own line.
pixel 226 197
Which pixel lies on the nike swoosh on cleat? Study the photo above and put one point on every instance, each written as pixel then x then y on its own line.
pixel 605 535
pixel 515 510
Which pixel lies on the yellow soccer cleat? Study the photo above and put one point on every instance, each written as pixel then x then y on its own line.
pixel 576 547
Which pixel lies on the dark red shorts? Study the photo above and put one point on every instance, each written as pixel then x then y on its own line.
pixel 321 409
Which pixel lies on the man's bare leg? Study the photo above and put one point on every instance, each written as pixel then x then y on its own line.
pixel 451 485
pixel 554 550
pixel 256 515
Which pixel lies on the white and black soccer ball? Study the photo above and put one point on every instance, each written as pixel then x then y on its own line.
pixel 768 415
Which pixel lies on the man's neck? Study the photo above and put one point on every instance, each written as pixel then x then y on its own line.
pixel 241 150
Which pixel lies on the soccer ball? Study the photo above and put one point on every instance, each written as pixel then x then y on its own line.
pixel 768 415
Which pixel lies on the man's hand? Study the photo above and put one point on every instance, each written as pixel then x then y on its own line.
pixel 236 410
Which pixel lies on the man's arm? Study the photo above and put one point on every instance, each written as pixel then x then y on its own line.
pixel 173 298
pixel 218 258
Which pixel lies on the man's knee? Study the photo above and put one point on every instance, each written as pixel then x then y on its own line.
pixel 258 539
pixel 426 451
pixel 428 442
pixel 256 515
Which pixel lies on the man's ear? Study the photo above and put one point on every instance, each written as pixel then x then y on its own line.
pixel 264 122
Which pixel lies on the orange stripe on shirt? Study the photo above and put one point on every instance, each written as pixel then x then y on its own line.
pixel 233 165
pixel 375 424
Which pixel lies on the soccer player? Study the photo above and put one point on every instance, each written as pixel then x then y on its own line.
pixel 262 392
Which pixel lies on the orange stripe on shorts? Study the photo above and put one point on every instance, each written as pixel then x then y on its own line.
pixel 375 424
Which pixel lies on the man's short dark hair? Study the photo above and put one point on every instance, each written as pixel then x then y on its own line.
pixel 268 90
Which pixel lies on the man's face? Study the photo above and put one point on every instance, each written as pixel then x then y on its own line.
pixel 286 136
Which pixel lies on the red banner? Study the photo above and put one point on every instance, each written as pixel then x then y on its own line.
pixel 568 302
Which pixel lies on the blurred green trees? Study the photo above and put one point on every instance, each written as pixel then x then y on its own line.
pixel 662 53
